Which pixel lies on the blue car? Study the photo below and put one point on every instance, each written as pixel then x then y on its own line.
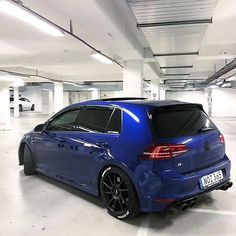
pixel 137 154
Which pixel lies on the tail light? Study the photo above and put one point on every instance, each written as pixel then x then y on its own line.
pixel 164 151
pixel 222 139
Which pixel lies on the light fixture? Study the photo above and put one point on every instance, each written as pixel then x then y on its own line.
pixel 100 57
pixel 74 84
pixel 16 10
pixel 232 78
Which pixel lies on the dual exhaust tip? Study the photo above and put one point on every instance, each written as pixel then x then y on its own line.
pixel 191 203
pixel 226 186
pixel 185 205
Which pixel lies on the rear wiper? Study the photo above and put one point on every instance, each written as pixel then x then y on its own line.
pixel 205 129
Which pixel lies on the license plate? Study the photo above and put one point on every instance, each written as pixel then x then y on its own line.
pixel 211 179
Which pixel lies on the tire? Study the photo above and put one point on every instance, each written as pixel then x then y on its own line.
pixel 29 168
pixel 32 107
pixel 20 108
pixel 118 194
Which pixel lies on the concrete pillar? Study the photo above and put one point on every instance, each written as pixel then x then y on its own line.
pixel 208 101
pixel 16 101
pixel 95 94
pixel 5 123
pixel 133 78
pixel 50 102
pixel 162 94
pixel 155 89
pixel 58 96
pixel 66 99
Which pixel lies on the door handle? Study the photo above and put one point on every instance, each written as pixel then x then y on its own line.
pixel 102 144
pixel 61 140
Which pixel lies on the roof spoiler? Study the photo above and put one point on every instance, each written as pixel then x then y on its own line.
pixel 120 99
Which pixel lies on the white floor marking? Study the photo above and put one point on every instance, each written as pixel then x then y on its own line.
pixel 144 227
pixel 210 211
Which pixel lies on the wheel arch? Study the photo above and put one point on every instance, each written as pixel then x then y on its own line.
pixel 21 152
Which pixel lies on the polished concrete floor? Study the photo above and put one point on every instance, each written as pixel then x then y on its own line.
pixel 37 205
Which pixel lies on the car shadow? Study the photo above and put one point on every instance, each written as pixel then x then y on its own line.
pixel 159 220
pixel 75 191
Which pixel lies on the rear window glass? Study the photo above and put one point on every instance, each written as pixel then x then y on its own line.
pixel 182 122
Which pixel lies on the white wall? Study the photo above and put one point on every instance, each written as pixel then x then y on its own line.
pixel 187 96
pixel 224 102
pixel 34 94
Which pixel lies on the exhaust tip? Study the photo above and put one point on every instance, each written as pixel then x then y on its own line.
pixel 226 186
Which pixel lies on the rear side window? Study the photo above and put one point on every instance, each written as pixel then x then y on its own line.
pixel 168 123
pixel 114 125
pixel 95 119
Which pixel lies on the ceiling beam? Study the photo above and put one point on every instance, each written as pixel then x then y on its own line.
pixel 171 23
pixel 222 71
pixel 177 74
pixel 176 67
pixel 176 54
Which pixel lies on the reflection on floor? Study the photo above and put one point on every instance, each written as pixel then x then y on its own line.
pixel 38 205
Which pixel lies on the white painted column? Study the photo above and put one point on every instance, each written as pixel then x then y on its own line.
pixel 66 99
pixel 95 94
pixel 155 89
pixel 50 102
pixel 208 101
pixel 58 96
pixel 16 101
pixel 133 78
pixel 5 122
pixel 162 94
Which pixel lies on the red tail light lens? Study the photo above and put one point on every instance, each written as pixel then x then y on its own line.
pixel 164 151
pixel 222 139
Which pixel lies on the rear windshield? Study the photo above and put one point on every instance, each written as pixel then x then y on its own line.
pixel 168 123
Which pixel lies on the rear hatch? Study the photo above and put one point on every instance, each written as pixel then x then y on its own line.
pixel 188 125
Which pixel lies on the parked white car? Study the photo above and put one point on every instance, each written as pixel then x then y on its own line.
pixel 24 104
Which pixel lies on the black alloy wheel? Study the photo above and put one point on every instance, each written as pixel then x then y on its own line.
pixel 118 193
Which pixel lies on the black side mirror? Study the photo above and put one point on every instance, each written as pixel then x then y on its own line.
pixel 39 128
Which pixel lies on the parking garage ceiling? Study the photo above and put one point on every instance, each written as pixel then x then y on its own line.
pixel 179 34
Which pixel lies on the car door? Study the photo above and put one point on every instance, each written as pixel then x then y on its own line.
pixel 98 129
pixel 48 145
pixel 75 143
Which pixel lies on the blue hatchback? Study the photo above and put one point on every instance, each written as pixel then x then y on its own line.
pixel 138 155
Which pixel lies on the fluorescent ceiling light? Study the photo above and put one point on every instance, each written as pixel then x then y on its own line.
pixel 74 84
pixel 98 56
pixel 216 57
pixel 13 9
pixel 231 79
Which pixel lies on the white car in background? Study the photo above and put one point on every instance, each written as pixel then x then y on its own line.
pixel 24 104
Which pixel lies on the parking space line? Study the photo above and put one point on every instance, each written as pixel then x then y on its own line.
pixel 210 211
pixel 144 227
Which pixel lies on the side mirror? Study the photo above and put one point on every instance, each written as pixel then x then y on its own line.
pixel 39 128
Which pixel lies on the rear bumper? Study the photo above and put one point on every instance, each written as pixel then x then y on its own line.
pixel 157 191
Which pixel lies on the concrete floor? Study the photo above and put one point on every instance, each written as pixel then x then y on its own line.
pixel 37 205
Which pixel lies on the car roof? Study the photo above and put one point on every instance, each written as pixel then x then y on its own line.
pixel 122 102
